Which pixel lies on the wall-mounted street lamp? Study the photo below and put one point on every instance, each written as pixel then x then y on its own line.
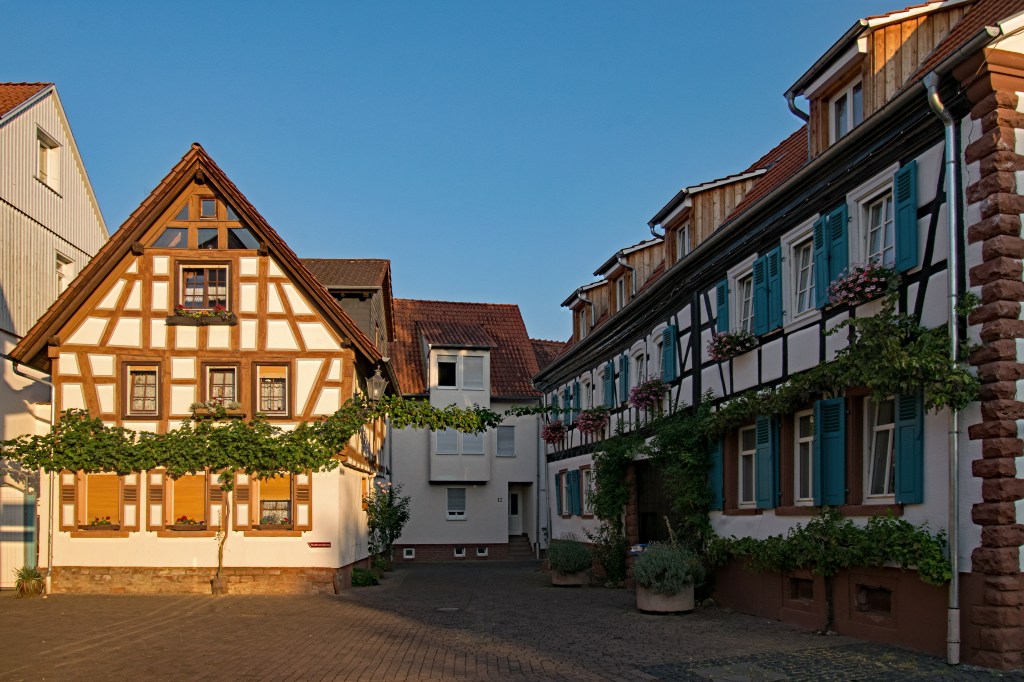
pixel 375 386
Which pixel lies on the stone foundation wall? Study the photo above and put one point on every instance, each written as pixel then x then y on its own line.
pixel 148 580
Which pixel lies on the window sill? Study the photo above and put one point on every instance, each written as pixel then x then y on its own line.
pixel 741 512
pixel 47 186
pixel 257 532
pixel 199 415
pixel 189 321
pixel 845 510
pixel 187 527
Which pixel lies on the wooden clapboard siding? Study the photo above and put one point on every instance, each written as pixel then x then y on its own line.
pixel 711 207
pixel 39 222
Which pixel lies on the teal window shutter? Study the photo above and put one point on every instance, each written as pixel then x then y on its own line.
pixel 904 189
pixel 554 406
pixel 716 475
pixel 558 494
pixel 722 301
pixel 668 353
pixel 761 295
pixel 623 378
pixel 566 406
pixel 829 452
pixel 576 398
pixel 773 264
pixel 909 449
pixel 838 249
pixel 766 463
pixel 609 384
pixel 821 279
pixel 574 492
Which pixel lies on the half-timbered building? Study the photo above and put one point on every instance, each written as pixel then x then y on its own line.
pixel 51 226
pixel 910 158
pixel 197 299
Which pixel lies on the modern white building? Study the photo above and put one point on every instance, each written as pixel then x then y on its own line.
pixel 51 226
pixel 474 496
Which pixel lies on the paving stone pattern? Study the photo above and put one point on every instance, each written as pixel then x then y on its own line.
pixel 476 621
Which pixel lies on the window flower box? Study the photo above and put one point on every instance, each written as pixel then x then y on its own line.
pixel 861 283
pixel 725 345
pixel 187 527
pixel 592 420
pixel 553 432
pixel 212 409
pixel 100 524
pixel 190 317
pixel 647 394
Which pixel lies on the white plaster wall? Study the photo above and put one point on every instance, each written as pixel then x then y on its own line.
pixel 573 524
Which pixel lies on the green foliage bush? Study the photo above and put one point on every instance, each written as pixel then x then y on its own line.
pixel 610 548
pixel 666 567
pixel 569 554
pixel 362 577
pixel 29 582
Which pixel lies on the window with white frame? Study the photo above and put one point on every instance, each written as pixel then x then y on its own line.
pixel 638 367
pixel 846 111
pixel 581 322
pixel 566 509
pixel 452 442
pixel 65 272
pixel 683 242
pixel 879 440
pixel 506 441
pixel 620 293
pixel 48 160
pixel 747 453
pixel 456 504
pixel 447 371
pixel 586 394
pixel 802 260
pixel 879 230
pixel 803 453
pixel 472 443
pixel 472 372
pixel 745 303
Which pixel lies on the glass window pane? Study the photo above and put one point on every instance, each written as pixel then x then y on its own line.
pixel 208 238
pixel 448 442
pixel 858 104
pixel 172 238
pixel 472 443
pixel 804 466
pixel 183 213
pixel 746 478
pixel 230 212
pixel 748 440
pixel 446 371
pixel 242 238
pixel 839 117
pixel 208 208
pixel 879 470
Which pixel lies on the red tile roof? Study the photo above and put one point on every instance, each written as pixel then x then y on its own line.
pixel 13 94
pixel 547 351
pixel 349 272
pixel 513 361
pixel 782 163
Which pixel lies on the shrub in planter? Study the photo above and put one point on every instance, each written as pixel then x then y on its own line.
pixel 363 577
pixel 569 555
pixel 666 568
pixel 29 582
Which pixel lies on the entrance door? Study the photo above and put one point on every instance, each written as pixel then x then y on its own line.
pixel 12 534
pixel 515 517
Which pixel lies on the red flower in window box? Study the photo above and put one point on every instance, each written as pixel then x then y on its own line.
pixel 553 432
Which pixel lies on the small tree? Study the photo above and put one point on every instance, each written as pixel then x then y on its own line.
pixel 387 512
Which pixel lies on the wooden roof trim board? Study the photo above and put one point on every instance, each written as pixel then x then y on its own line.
pixel 611 262
pixel 197 165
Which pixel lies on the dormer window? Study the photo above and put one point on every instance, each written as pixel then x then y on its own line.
pixel 683 242
pixel 847 111
pixel 620 293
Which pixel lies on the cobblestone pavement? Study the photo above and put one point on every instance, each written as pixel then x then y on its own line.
pixel 429 622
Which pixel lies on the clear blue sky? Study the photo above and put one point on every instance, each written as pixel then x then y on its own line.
pixel 495 152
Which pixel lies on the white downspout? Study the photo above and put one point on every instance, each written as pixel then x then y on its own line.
pixel 931 81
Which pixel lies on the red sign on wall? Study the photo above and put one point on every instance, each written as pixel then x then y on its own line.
pixel 319 544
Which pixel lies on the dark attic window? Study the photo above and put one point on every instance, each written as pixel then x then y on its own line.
pixel 231 213
pixel 208 238
pixel 208 208
pixel 172 238
pixel 183 213
pixel 242 238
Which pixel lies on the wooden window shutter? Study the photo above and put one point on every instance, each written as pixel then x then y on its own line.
pixel 609 384
pixel 574 492
pixel 566 405
pixel 243 502
pixel 722 301
pixel 716 475
pixel 904 189
pixel 130 501
pixel 623 378
pixel 838 249
pixel 830 452
pixel 761 295
pixel 576 401
pixel 215 501
pixel 766 462
pixel 821 251
pixel 668 353
pixel 558 494
pixel 909 449
pixel 302 499
pixel 156 499
pixel 69 500
pixel 773 265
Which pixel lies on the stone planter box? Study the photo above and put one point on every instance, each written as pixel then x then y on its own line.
pixel 100 526
pixel 570 579
pixel 649 601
